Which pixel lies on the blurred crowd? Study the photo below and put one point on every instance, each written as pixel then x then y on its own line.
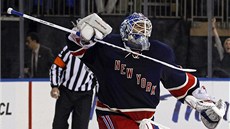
pixel 191 51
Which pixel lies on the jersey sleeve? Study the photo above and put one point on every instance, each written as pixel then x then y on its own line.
pixel 76 45
pixel 178 83
pixel 58 67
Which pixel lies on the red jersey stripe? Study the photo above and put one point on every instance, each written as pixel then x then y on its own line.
pixel 189 83
pixel 79 52
pixel 134 114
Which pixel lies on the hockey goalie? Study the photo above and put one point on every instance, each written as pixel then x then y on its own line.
pixel 129 88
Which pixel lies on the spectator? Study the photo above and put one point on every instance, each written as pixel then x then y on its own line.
pixel 72 83
pixel 223 69
pixel 138 6
pixel 38 65
pixel 101 8
pixel 122 6
pixel 48 6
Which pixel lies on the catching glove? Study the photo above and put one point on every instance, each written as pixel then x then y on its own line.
pixel 211 111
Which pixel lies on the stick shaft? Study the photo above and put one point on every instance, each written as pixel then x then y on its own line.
pixel 49 24
pixel 147 57
pixel 42 21
pixel 11 11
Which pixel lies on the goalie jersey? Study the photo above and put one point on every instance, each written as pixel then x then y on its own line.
pixel 130 84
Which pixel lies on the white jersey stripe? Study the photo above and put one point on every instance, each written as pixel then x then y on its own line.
pixel 106 122
pixel 75 76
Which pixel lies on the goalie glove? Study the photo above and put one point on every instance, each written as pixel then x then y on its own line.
pixel 211 117
pixel 95 22
pixel 88 33
pixel 84 38
pixel 89 28
pixel 81 40
pixel 211 112
pixel 93 26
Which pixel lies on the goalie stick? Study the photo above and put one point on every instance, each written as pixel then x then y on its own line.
pixel 12 11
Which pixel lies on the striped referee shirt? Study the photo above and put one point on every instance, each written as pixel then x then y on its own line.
pixel 71 72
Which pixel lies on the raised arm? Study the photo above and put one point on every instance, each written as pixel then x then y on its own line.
pixel 87 28
pixel 219 46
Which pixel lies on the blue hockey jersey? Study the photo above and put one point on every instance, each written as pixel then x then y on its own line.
pixel 130 84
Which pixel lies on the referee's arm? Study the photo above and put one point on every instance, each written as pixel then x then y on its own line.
pixel 56 72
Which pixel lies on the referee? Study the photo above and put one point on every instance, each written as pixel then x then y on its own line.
pixel 72 85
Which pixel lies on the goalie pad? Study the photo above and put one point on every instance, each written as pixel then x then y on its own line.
pixel 95 22
pixel 149 124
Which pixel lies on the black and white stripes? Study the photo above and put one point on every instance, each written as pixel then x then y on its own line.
pixel 71 72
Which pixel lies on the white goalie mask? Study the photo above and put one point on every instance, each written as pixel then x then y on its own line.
pixel 135 31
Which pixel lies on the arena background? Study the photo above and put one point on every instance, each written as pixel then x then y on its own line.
pixel 190 51
pixel 182 24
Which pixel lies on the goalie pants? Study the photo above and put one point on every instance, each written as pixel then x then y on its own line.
pixel 116 122
pixel 75 102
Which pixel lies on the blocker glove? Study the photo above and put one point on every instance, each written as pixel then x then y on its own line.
pixel 83 38
pixel 89 28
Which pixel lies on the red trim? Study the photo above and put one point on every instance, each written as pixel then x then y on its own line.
pixel 100 104
pixel 30 106
pixel 139 115
pixel 79 52
pixel 182 91
pixel 135 115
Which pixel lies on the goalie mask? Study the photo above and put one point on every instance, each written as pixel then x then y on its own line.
pixel 135 31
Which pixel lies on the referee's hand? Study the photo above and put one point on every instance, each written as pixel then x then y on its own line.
pixel 55 93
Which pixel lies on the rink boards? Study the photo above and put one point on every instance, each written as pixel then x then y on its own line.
pixel 28 105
